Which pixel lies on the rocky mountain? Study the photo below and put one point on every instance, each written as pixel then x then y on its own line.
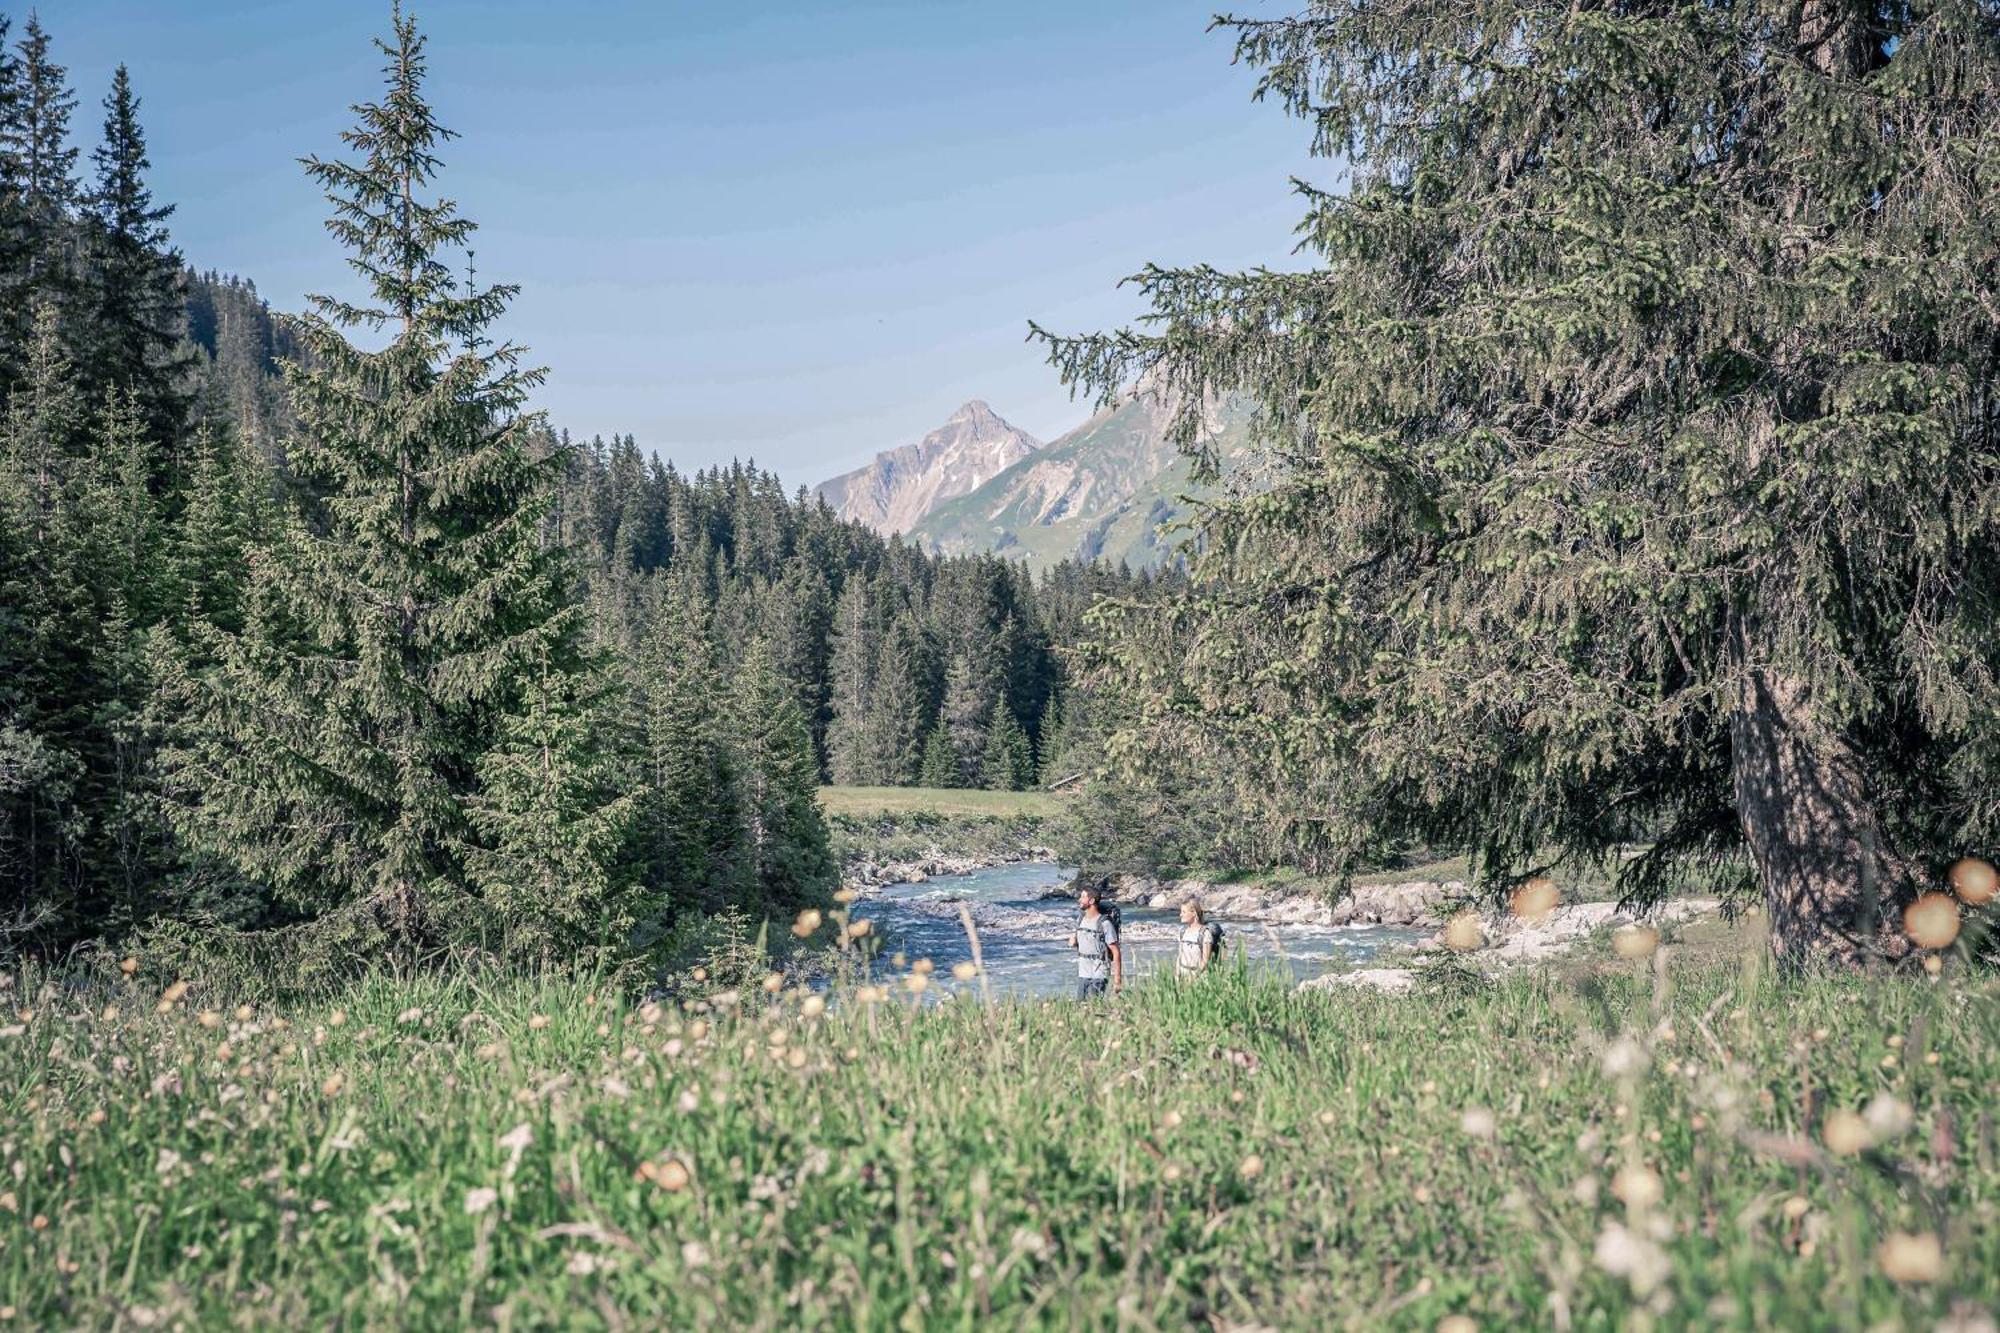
pixel 896 491
pixel 1110 489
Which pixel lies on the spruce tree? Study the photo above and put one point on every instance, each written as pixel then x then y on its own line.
pixel 940 763
pixel 787 862
pixel 554 818
pixel 1009 761
pixel 132 303
pixel 36 141
pixel 962 720
pixel 1630 442
pixel 690 822
pixel 851 681
pixel 895 713
pixel 410 604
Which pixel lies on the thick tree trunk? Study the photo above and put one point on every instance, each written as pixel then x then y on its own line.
pixel 1810 827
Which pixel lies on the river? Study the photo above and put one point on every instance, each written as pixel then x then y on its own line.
pixel 1024 936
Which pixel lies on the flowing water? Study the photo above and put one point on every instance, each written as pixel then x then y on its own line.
pixel 1024 936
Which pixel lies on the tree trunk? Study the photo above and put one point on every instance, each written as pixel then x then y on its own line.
pixel 1809 825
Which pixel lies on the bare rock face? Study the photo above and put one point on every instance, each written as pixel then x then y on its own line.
pixel 896 491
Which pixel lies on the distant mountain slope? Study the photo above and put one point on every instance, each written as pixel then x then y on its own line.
pixel 1104 490
pixel 896 491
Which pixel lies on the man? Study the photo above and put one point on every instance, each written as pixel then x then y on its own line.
pixel 1099 962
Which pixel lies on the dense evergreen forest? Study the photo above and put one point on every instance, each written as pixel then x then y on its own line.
pixel 311 654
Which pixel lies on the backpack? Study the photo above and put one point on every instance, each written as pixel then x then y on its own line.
pixel 1107 910
pixel 1215 938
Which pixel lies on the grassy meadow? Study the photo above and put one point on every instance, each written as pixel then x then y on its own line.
pixel 1644 1143
pixel 901 802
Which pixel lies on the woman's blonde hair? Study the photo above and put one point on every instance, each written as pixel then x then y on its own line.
pixel 1200 917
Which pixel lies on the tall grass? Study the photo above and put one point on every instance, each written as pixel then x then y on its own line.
pixel 1648 1147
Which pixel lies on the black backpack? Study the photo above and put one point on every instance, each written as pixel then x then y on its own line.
pixel 1106 909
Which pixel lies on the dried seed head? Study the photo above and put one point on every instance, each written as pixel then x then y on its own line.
pixel 1844 1133
pixel 813 1006
pixel 773 983
pixel 1907 1257
pixel 128 965
pixel 1796 1207
pixel 845 896
pixel 672 1175
pixel 1457 1323
pixel 1974 881
pixel 964 971
pixel 536 1022
pixel 856 929
pixel 924 966
pixel 809 921
pixel 1250 1167
pixel 1534 900
pixel 1931 921
pixel 1635 941
pixel 1637 1186
pixel 1462 933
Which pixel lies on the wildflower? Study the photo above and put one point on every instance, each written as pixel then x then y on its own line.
pixel 1931 921
pixel 97 1116
pixel 1844 1133
pixel 964 971
pixel 813 1006
pixel 672 1049
pixel 1462 933
pixel 1637 1186
pixel 480 1199
pixel 1887 1117
pixel 167 1163
pixel 699 974
pixel 208 1018
pixel 410 1017
pixel 110 1014
pixel 1250 1167
pixel 172 996
pixel 1974 881
pixel 10 1202
pixel 796 1057
pixel 128 965
pixel 845 896
pixel 1933 964
pixel 851 1054
pixel 40 1222
pixel 336 1018
pixel 1533 901
pixel 856 929
pixel 1457 1323
pixel 1635 941
pixel 537 1022
pixel 725 999
pixel 517 1139
pixel 1796 1207
pixel 773 983
pixel 1170 1172
pixel 1478 1122
pixel 1907 1257
pixel 1623 1253
pixel 688 1103
pixel 616 1087
pixel 1624 1058
pixel 916 983
pixel 923 967
pixel 244 1013
pixel 694 1254
pixel 1327 1117
pixel 809 921
pixel 334 1083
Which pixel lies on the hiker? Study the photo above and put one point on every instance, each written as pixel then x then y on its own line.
pixel 1099 962
pixel 1201 940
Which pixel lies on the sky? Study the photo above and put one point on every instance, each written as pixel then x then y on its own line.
pixel 794 231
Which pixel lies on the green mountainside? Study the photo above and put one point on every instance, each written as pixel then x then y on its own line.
pixel 1111 489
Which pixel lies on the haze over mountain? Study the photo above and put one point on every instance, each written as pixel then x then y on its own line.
pixel 895 492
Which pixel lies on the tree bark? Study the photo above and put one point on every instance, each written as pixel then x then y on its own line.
pixel 1810 828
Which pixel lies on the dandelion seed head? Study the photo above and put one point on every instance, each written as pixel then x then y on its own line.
pixel 1796 1207
pixel 128 965
pixel 1635 941
pixel 1974 881
pixel 844 896
pixel 1625 1058
pixel 773 983
pixel 1462 934
pixel 1637 1186
pixel 1887 1117
pixel 1844 1133
pixel 334 1083
pixel 812 1006
pixel 808 921
pixel 1931 921
pixel 1478 1122
pixel 244 1013
pixel 1910 1257
pixel 1535 900
pixel 1251 1167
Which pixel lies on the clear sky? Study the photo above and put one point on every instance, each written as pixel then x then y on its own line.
pixel 798 231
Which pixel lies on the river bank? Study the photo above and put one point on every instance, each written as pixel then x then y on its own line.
pixel 1416 904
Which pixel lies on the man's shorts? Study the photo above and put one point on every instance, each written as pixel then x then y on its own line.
pixel 1089 988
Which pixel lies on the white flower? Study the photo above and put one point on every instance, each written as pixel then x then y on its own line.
pixel 1625 1058
pixel 479 1200
pixel 1887 1117
pixel 694 1254
pixel 518 1138
pixel 1623 1253
pixel 168 1163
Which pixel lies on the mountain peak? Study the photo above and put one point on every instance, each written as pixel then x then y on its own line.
pixel 895 492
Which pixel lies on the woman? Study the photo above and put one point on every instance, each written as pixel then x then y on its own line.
pixel 1199 940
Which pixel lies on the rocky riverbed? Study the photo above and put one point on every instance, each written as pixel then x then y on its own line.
pixel 1420 904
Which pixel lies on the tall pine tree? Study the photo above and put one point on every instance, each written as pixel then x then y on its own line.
pixel 411 615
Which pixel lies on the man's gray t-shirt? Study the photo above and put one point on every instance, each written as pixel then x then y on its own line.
pixel 1094 938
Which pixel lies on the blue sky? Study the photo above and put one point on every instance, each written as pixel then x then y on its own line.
pixel 772 229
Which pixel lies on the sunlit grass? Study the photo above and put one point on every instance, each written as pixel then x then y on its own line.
pixel 1710 1147
pixel 873 802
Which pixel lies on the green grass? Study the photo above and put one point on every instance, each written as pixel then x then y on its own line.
pixel 890 802
pixel 1233 1149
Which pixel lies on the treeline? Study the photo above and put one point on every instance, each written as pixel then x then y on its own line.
pixel 909 668
pixel 311 655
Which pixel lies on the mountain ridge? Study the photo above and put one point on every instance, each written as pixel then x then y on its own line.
pixel 899 487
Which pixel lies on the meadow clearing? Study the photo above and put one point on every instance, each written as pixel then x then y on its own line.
pixel 1668 1141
